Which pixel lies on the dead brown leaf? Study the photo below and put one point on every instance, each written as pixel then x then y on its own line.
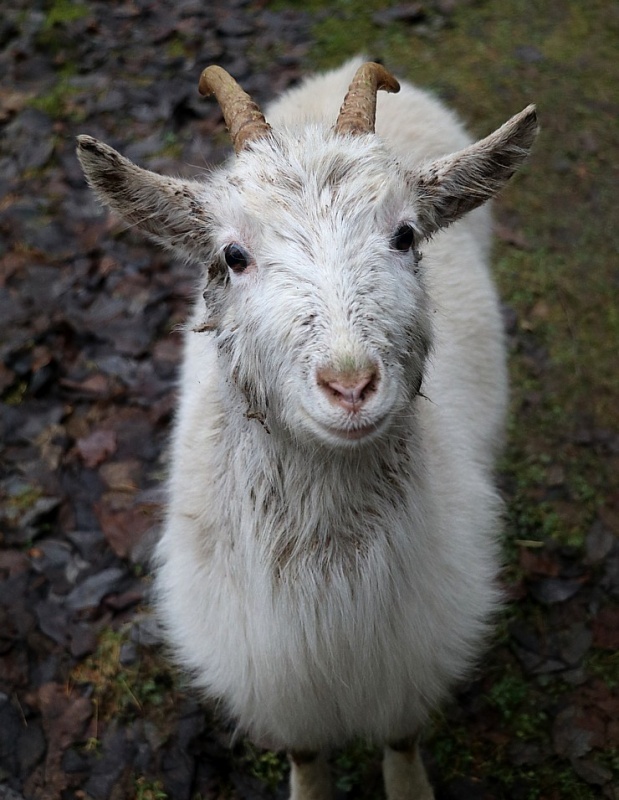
pixel 11 102
pixel 95 448
pixel 121 476
pixel 536 563
pixel 606 629
pixel 64 715
pixel 124 528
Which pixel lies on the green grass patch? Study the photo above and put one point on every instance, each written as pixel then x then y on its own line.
pixel 58 101
pixel 61 12
pixel 269 767
pixel 122 692
pixel 149 790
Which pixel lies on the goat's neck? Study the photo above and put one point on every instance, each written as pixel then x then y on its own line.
pixel 305 499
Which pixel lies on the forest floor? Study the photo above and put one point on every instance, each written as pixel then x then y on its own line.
pixel 89 347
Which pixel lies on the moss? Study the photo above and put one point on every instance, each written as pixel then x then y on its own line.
pixel 121 691
pixel 16 393
pixel 62 12
pixel 356 770
pixel 269 767
pixel 604 664
pixel 58 100
pixel 149 790
pixel 173 146
pixel 175 49
pixel 24 499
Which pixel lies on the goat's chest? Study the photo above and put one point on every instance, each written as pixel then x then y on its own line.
pixel 321 643
pixel 326 599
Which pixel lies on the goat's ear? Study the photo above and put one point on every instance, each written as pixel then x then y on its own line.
pixel 166 209
pixel 451 186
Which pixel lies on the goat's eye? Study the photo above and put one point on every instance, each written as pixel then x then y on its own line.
pixel 404 238
pixel 237 258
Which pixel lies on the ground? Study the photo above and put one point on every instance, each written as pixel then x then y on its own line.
pixel 89 344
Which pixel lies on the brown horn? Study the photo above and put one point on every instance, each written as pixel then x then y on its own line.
pixel 244 120
pixel 358 111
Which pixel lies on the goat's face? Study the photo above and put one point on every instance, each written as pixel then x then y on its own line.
pixel 315 285
pixel 314 289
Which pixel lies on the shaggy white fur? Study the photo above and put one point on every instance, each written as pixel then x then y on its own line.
pixel 327 568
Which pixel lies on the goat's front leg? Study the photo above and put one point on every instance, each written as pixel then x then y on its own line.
pixel 310 777
pixel 403 772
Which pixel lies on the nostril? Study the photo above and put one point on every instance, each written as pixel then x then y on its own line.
pixel 349 389
pixel 352 393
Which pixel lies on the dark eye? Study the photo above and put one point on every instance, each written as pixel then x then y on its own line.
pixel 403 238
pixel 237 258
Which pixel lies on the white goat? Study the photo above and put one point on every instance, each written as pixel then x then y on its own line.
pixel 327 568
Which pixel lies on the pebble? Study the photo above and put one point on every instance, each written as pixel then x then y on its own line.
pixel 599 543
pixel 570 739
pixel 555 590
pixel 53 617
pixel 92 590
pixel 6 793
pixel 591 772
pixel 116 754
pixel 409 13
pixel 83 640
pixel 145 630
pixel 31 747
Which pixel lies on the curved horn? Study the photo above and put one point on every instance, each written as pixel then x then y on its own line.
pixel 244 119
pixel 358 111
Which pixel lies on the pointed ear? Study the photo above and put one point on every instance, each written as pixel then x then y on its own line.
pixel 166 209
pixel 450 187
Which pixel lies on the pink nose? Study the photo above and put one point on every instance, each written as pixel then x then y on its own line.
pixel 348 389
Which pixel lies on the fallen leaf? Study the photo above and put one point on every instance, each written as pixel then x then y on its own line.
pixel 95 386
pixel 511 236
pixel 7 376
pixel 570 737
pixel 11 102
pixel 125 528
pixel 94 449
pixel 64 715
pixel 606 629
pixel 535 562
pixel 121 476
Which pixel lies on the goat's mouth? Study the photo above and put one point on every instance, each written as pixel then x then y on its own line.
pixel 350 432
pixel 354 434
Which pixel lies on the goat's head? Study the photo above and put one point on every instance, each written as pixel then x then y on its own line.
pixel 310 243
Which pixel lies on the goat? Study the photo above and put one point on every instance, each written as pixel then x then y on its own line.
pixel 327 568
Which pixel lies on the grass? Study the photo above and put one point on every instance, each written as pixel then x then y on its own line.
pixel 149 790
pixel 122 692
pixel 58 101
pixel 269 767
pixel 64 11
pixel 519 708
pixel 604 665
pixel 24 499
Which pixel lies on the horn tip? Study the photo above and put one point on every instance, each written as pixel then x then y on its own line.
pixel 205 86
pixel 385 81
